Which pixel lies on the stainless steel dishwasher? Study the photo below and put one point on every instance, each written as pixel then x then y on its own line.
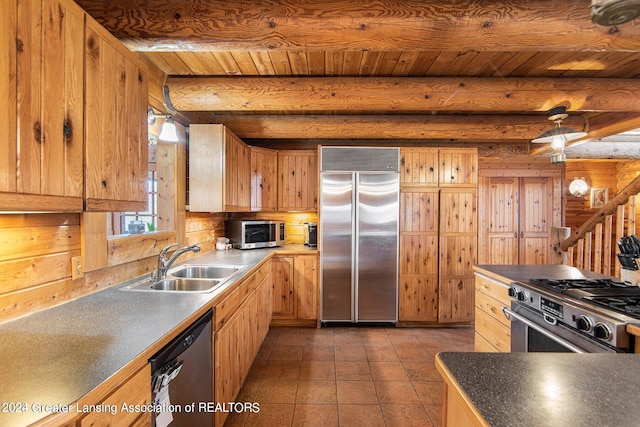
pixel 182 377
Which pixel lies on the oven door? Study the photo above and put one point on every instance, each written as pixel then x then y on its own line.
pixel 531 332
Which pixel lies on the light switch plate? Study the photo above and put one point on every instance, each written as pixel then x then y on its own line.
pixel 77 272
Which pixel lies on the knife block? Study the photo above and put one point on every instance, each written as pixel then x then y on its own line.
pixel 630 276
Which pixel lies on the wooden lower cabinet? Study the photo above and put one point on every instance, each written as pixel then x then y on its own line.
pixel 135 391
pixel 492 329
pixel 295 289
pixel 241 325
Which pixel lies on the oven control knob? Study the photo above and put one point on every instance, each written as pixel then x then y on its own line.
pixel 602 331
pixel 583 323
pixel 523 296
pixel 512 292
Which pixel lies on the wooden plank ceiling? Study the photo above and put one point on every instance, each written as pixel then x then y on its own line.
pixel 458 72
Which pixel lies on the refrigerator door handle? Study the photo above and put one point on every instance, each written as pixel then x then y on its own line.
pixel 355 247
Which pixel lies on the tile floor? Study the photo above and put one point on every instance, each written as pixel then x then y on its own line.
pixel 360 376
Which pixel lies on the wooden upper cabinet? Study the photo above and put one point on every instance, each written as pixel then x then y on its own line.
pixel 264 186
pixel 116 129
pixel 458 167
pixel 297 180
pixel 418 166
pixel 219 170
pixel 41 83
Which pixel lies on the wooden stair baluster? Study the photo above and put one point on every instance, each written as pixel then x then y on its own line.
pixel 607 250
pixel 597 249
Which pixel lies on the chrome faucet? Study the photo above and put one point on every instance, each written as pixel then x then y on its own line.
pixel 164 264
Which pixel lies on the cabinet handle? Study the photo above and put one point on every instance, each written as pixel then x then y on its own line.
pixel 521 234
pixel 460 285
pixel 67 130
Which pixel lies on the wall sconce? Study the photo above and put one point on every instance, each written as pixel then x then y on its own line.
pixel 559 135
pixel 168 132
pixel 578 187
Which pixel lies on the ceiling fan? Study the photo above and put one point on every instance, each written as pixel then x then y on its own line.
pixel 614 12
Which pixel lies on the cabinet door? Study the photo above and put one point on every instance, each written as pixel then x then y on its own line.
pixel 283 302
pixel 237 176
pixel 297 180
pixel 536 220
pixel 42 160
pixel 458 167
pixel 228 357
pixel 458 254
pixel 264 186
pixel 418 281
pixel 500 221
pixel 418 166
pixel 306 287
pixel 116 130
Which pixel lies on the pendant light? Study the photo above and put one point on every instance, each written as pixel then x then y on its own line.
pixel 559 135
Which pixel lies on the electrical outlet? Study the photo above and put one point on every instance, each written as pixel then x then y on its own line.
pixel 77 272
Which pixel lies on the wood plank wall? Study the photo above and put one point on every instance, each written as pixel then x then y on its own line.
pixel 627 172
pixel 597 175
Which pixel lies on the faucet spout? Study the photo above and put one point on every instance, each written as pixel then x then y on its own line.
pixel 164 264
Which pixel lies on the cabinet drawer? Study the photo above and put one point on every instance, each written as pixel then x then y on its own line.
pixel 136 391
pixel 495 333
pixel 494 289
pixel 225 309
pixel 491 307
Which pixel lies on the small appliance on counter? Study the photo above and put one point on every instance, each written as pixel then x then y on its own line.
pixel 222 244
pixel 253 234
pixel 311 234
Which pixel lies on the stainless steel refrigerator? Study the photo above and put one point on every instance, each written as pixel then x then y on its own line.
pixel 359 212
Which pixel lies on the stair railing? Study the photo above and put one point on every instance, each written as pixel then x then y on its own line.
pixel 591 247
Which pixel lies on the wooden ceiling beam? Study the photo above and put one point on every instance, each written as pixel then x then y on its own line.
pixel 408 94
pixel 410 25
pixel 408 127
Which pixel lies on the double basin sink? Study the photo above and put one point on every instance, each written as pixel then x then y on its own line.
pixel 189 278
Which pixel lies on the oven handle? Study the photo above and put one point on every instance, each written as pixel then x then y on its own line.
pixel 510 315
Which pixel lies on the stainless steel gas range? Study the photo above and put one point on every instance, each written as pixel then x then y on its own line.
pixel 572 315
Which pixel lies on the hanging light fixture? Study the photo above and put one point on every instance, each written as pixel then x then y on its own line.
pixel 559 135
pixel 168 132
pixel 578 187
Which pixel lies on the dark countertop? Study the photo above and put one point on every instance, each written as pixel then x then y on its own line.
pixel 549 389
pixel 60 354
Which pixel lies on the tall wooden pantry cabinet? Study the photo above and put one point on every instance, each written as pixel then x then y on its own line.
pixel 438 227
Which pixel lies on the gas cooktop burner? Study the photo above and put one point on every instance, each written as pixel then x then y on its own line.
pixel 561 285
pixel 626 305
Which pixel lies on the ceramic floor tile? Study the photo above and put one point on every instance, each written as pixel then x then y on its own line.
pixel 313 415
pixel 375 339
pixel 316 338
pixel 276 391
pixel 388 371
pixel 271 415
pixel 405 416
pixel 286 352
pixel 360 415
pixel 435 414
pixel 316 391
pixel 352 371
pixel 318 352
pixel 288 369
pixel 429 392
pixel 317 370
pixel 403 339
pixel 350 353
pixel 346 338
pixel 356 392
pixel 248 391
pixel 422 371
pixel 412 353
pixel 386 353
pixel 396 393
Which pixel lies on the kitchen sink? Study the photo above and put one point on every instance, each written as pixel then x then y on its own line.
pixel 205 271
pixel 188 278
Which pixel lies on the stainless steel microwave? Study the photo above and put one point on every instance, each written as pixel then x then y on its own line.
pixel 252 234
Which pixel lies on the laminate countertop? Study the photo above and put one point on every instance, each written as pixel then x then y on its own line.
pixel 57 356
pixel 547 389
